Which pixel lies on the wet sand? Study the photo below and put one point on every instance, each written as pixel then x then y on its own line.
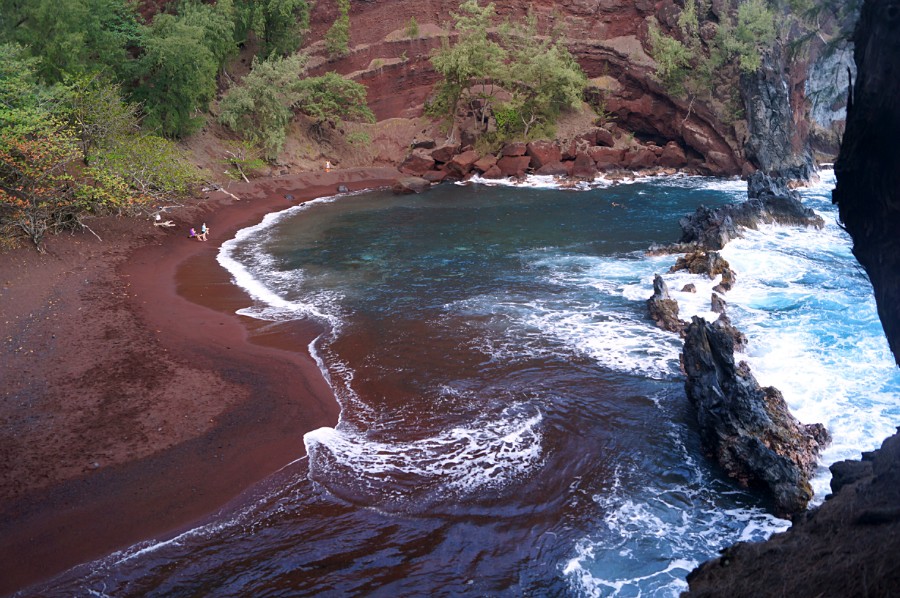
pixel 135 403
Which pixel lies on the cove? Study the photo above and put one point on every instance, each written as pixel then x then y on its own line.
pixel 511 421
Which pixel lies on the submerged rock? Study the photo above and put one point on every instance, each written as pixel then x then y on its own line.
pixel 747 428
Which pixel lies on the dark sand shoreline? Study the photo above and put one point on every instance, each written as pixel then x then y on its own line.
pixel 261 389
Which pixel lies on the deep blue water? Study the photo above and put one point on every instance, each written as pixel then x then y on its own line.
pixel 512 423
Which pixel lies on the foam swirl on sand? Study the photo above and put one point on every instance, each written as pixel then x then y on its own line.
pixel 478 459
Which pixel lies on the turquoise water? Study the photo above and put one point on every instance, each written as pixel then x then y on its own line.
pixel 512 423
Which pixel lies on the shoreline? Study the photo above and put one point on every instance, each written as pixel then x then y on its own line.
pixel 249 394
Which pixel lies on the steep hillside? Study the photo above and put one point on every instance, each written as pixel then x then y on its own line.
pixel 728 132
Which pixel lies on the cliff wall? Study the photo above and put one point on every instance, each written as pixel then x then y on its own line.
pixel 609 39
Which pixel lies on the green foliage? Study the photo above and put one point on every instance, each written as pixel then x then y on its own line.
pixel 25 102
pixel 358 138
pixel 412 28
pixel 262 107
pixel 47 135
pixel 152 165
pixel 97 114
pixel 688 65
pixel 542 75
pixel 71 36
pixel 283 23
pixel 337 39
pixel 329 99
pixel 218 23
pixel 475 59
pixel 178 76
pixel 538 71
pixel 673 59
pixel 509 121
pixel 42 193
pixel 243 157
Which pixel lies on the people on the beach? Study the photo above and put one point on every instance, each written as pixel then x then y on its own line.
pixel 204 231
pixel 193 234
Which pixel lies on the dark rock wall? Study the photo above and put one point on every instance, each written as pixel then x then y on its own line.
pixel 778 142
pixel 868 167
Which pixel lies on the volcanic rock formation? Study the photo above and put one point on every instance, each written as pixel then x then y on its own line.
pixel 748 429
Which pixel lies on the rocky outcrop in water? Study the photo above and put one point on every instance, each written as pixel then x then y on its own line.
pixel 747 428
pixel 714 228
pixel 847 547
pixel 663 309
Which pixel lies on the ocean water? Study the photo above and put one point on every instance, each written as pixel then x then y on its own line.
pixel 512 423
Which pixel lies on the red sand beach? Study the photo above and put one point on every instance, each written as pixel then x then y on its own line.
pixel 134 401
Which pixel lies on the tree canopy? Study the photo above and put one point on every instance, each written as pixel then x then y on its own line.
pixel 537 70
pixel 67 151
pixel 690 64
pixel 263 106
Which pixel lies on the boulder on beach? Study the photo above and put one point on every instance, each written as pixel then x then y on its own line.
pixel 543 152
pixel 410 184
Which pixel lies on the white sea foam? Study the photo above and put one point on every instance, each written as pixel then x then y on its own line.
pixel 814 334
pixel 681 522
pixel 599 312
pixel 261 279
pixel 534 181
pixel 485 455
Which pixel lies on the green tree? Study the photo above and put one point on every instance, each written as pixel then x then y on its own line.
pixel 283 22
pixel 755 30
pixel 218 22
pixel 72 36
pixel 177 76
pixel 262 107
pixel 673 59
pixel 542 74
pixel 41 191
pixel 475 61
pixel 48 134
pixel 25 102
pixel 537 70
pixel 98 115
pixel 331 98
pixel 337 39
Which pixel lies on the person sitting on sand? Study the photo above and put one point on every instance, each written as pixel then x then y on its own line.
pixel 193 234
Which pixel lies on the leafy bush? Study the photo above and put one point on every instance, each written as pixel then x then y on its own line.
pixel 262 107
pixel 686 64
pixel 673 59
pixel 412 28
pixel 337 39
pixel 538 71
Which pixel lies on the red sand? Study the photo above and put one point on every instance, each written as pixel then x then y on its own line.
pixel 134 401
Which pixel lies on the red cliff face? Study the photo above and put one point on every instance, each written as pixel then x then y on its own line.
pixel 609 39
